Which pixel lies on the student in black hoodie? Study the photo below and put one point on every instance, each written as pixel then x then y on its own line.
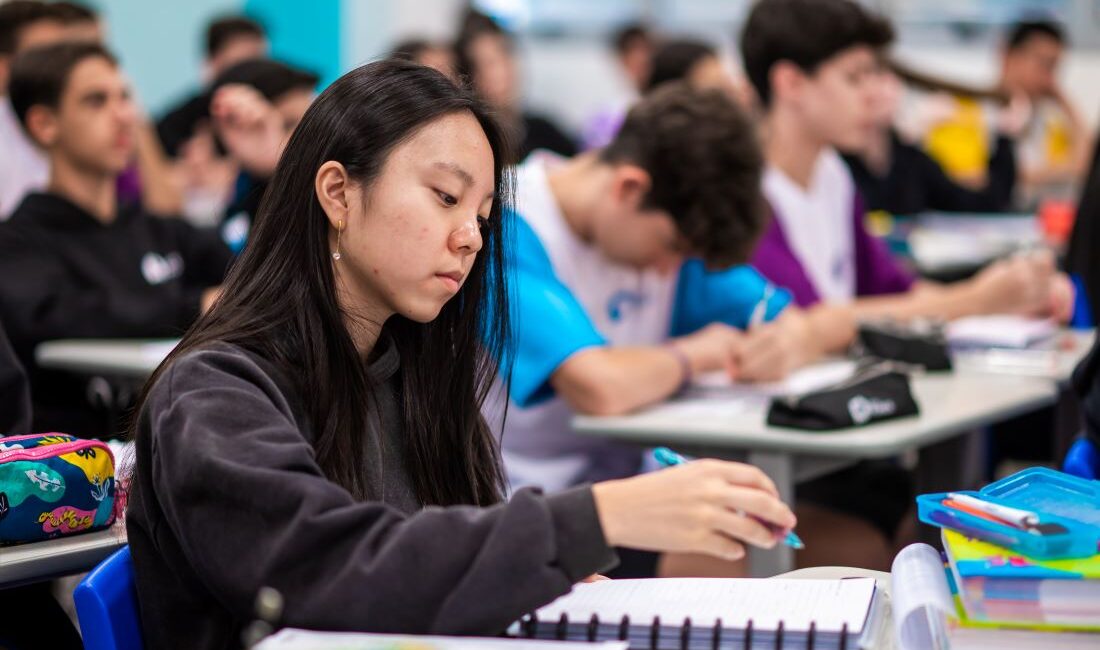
pixel 900 178
pixel 319 431
pixel 72 263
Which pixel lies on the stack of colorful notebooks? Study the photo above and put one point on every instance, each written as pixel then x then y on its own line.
pixel 1023 553
pixel 1000 587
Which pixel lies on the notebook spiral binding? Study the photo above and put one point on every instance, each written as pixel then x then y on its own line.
pixel 529 627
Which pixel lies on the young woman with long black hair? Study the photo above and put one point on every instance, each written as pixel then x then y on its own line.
pixel 319 430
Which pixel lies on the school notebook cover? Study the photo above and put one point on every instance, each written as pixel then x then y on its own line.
pixel 977 559
pixel 996 585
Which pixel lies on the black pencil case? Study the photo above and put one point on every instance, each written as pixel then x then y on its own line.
pixel 919 345
pixel 874 394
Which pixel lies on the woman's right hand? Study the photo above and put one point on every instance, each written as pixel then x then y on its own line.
pixel 705 506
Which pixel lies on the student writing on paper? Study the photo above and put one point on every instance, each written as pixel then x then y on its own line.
pixel 319 430
pixel 813 64
pixel 74 263
pixel 616 307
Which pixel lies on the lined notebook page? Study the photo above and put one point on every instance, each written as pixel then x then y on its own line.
pixel 828 603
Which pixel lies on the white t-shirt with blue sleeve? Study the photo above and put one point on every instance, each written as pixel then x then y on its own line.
pixel 566 296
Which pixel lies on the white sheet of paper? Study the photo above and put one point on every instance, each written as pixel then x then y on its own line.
pixel 999 331
pixel 805 380
pixel 293 639
pixel 829 604
pixel 921 599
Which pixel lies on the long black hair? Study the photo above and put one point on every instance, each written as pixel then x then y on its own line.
pixel 279 301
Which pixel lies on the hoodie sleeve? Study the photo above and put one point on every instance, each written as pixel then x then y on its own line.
pixel 248 506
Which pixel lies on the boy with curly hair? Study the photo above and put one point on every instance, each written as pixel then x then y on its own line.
pixel 629 278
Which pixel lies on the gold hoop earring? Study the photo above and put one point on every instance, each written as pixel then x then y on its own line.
pixel 339 231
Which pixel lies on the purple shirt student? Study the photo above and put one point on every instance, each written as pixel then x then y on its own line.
pixel 778 259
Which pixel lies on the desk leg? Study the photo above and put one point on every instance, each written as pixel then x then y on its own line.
pixel 780 467
pixel 952 464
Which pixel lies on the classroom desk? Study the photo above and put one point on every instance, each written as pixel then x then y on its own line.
pixel 133 359
pixel 54 558
pixel 951 404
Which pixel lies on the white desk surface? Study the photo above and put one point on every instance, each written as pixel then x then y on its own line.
pixel 53 558
pixel 129 358
pixel 950 403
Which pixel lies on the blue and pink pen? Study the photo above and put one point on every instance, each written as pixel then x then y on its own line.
pixel 667 458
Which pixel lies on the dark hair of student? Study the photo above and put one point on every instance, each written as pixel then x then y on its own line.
pixel 39 76
pixel 74 12
pixel 280 303
pixel 704 162
pixel 806 33
pixel 18 14
pixel 474 25
pixel 628 35
pixel 410 49
pixel 675 59
pixel 222 30
pixel 1023 31
pixel 271 78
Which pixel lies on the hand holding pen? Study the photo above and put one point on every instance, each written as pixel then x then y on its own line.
pixel 668 458
pixel 706 506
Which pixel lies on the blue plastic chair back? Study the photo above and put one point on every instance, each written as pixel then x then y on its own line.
pixel 107 605
pixel 1082 318
pixel 1083 459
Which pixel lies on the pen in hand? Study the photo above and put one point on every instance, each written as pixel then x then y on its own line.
pixel 668 458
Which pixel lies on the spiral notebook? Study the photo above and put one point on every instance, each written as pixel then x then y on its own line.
pixel 714 613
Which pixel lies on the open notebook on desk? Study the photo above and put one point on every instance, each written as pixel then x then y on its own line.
pixel 708 613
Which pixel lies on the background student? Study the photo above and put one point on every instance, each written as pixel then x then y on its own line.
pixel 426 52
pixel 693 61
pixel 73 261
pixel 1054 147
pixel 610 313
pixel 228 41
pixel 298 434
pixel 486 58
pixel 273 96
pixel 634 45
pixel 893 175
pixel 24 24
pixel 813 66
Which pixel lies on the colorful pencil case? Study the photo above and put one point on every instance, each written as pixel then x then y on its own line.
pixel 54 484
pixel 1068 510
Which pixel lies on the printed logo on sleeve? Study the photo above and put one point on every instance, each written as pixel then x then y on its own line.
pixel 158 269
